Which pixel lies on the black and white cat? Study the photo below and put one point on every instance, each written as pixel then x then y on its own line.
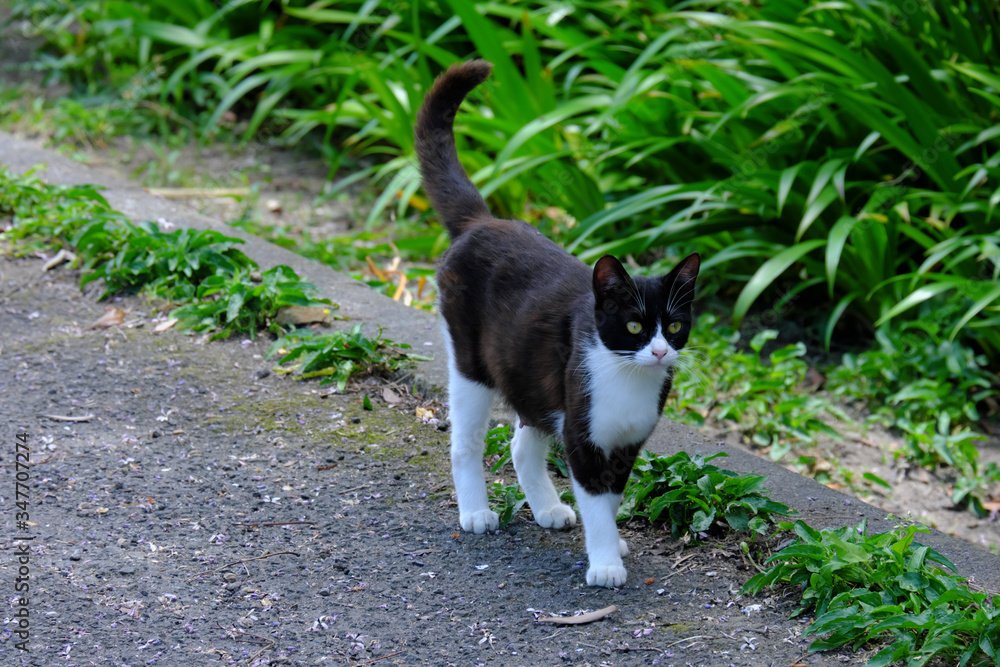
pixel 586 355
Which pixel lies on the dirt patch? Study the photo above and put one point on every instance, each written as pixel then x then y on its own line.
pixel 212 510
pixel 917 494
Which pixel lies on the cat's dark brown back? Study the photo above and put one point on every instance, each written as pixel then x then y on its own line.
pixel 452 194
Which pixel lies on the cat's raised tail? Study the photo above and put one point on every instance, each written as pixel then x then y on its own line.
pixel 452 194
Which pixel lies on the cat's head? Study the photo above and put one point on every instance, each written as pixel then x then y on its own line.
pixel 646 320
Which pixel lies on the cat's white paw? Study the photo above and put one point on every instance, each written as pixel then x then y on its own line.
pixel 622 548
pixel 609 576
pixel 557 517
pixel 479 522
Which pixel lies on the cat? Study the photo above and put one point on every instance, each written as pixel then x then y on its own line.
pixel 582 354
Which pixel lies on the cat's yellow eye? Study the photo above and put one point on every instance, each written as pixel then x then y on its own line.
pixel 674 327
pixel 633 327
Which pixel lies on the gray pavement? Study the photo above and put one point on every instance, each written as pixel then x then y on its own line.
pixel 819 505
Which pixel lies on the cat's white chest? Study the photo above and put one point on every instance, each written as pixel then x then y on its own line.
pixel 624 399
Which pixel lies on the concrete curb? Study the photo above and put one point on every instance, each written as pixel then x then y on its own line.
pixel 819 506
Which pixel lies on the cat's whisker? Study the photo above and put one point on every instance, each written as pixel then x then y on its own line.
pixel 671 295
pixel 691 366
pixel 640 300
pixel 702 356
pixel 688 291
pixel 607 368
pixel 695 355
pixel 695 367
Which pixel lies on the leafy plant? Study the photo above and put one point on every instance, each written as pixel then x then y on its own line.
pixel 183 265
pixel 930 388
pixel 507 500
pixel 497 452
pixel 236 303
pixel 338 355
pixel 172 265
pixel 917 374
pixel 498 455
pixel 885 587
pixel 44 217
pixel 693 495
pixel 765 399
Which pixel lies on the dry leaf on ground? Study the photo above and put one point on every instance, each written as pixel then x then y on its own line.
pixel 304 315
pixel 61 257
pixel 166 324
pixel 589 617
pixel 112 318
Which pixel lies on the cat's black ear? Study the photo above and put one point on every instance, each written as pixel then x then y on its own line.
pixel 687 269
pixel 680 281
pixel 610 278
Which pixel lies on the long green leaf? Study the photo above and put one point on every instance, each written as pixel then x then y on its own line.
pixel 835 245
pixel 769 272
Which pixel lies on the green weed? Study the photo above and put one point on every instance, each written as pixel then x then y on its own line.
pixel 45 218
pixel 227 303
pixel 930 388
pixel 497 452
pixel 507 499
pixel 338 355
pixel 170 265
pixel 689 493
pixel 392 261
pixel 763 396
pixel 692 496
pixel 885 587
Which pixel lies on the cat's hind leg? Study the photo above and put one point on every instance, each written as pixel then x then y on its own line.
pixel 469 412
pixel 529 450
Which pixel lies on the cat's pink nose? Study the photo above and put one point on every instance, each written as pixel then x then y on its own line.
pixel 659 354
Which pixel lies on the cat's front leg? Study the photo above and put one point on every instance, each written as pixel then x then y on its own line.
pixel 599 478
pixel 604 548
